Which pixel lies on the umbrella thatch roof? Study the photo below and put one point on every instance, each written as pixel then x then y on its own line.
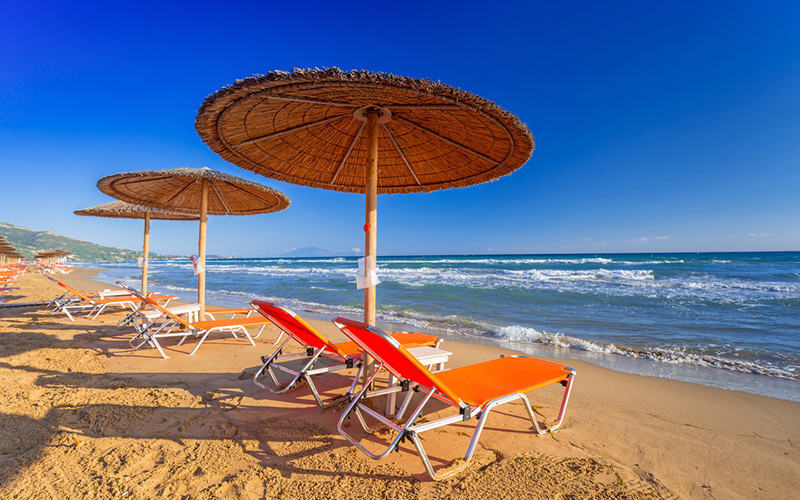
pixel 179 190
pixel 123 210
pixel 51 253
pixel 306 127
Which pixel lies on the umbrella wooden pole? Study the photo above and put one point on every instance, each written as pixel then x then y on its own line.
pixel 201 278
pixel 145 252
pixel 371 233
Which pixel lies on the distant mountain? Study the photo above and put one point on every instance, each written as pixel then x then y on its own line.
pixel 30 242
pixel 308 252
pixel 318 252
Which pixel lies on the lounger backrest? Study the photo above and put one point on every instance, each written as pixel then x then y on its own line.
pixel 294 326
pixel 68 288
pixel 395 358
pixel 148 300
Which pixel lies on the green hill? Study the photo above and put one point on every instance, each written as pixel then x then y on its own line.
pixel 30 242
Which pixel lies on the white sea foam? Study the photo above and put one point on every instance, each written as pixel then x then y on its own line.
pixel 470 327
pixel 496 261
pixel 514 261
pixel 610 282
pixel 664 355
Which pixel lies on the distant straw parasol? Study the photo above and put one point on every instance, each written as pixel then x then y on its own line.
pixel 7 251
pixel 50 255
pixel 9 254
pixel 362 132
pixel 123 210
pixel 194 191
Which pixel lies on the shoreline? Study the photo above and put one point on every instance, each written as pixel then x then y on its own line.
pixel 710 376
pixel 88 416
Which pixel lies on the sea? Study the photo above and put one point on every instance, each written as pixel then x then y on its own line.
pixel 728 320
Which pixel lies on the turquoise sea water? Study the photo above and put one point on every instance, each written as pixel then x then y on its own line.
pixel 725 319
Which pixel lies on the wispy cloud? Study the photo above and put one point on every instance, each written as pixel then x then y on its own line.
pixel 355 249
pixel 760 235
pixel 646 240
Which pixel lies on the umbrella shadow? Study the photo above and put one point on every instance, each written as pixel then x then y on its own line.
pixel 62 398
pixel 57 412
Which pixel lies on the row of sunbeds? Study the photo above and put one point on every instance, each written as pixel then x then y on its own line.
pixel 8 279
pixel 473 390
pixel 56 268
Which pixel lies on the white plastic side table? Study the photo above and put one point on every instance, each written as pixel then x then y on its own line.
pixel 428 356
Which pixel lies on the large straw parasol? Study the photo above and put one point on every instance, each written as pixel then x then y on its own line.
pixel 195 191
pixel 123 210
pixel 362 132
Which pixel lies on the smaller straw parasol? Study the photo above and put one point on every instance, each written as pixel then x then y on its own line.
pixel 11 255
pixel 123 210
pixel 195 191
pixel 7 251
pixel 50 255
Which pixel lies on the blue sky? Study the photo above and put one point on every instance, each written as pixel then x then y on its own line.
pixel 659 127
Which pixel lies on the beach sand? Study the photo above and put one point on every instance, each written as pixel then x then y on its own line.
pixel 85 416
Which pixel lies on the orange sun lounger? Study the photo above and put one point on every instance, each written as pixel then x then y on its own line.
pixel 475 390
pixel 316 345
pixel 201 329
pixel 95 305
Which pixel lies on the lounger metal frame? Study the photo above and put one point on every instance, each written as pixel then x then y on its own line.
pixel 328 349
pixel 95 306
pixel 307 371
pixel 152 332
pixel 411 429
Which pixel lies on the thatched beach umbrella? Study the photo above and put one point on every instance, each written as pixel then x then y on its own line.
pixel 59 253
pixel 362 132
pixel 49 256
pixel 123 210
pixel 7 251
pixel 195 191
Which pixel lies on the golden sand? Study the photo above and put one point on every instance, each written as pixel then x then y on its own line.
pixel 85 416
